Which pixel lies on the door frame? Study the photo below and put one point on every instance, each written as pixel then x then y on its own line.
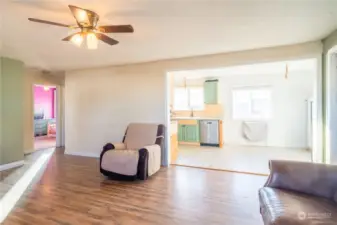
pixel 318 142
pixel 59 117
pixel 330 103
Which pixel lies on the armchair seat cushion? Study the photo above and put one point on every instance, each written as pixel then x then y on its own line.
pixel 123 162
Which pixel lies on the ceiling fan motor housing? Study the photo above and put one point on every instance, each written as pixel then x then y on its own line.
pixel 92 20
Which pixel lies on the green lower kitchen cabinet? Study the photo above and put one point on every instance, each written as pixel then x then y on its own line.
pixel 181 132
pixel 188 133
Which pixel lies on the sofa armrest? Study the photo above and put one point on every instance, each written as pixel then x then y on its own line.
pixel 310 178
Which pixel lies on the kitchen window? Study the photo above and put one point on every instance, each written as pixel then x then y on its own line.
pixel 253 103
pixel 191 98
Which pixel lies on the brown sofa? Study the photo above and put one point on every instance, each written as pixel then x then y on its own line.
pixel 299 193
pixel 138 156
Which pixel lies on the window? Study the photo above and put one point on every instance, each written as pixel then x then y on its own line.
pixel 252 103
pixel 180 99
pixel 189 98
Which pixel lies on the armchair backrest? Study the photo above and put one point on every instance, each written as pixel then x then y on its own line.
pixel 139 135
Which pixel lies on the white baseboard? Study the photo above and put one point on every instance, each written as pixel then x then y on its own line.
pixel 85 154
pixel 11 165
pixel 29 151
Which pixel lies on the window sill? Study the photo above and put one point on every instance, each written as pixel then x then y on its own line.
pixel 250 119
pixel 187 110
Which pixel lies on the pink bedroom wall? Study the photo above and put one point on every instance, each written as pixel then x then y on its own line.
pixel 45 100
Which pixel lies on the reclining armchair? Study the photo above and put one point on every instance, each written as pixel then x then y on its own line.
pixel 138 156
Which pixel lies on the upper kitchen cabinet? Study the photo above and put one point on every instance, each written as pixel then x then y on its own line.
pixel 211 92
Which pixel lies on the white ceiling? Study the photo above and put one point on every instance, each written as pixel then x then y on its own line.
pixel 163 28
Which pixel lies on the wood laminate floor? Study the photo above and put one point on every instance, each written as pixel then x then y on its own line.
pixel 43 142
pixel 72 191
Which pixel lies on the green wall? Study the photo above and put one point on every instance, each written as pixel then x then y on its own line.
pixel 11 107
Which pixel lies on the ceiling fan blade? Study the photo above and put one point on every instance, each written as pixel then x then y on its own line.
pixel 48 22
pixel 116 29
pixel 70 36
pixel 106 39
pixel 84 16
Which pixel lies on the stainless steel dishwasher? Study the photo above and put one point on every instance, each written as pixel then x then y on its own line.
pixel 209 133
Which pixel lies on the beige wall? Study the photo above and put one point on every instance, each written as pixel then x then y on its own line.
pixel 32 77
pixel 99 103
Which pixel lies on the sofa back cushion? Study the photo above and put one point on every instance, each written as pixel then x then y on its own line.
pixel 310 178
pixel 139 135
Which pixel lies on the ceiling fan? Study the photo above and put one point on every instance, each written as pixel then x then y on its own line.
pixel 90 33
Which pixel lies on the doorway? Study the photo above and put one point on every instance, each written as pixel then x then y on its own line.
pixel 255 112
pixel 45 113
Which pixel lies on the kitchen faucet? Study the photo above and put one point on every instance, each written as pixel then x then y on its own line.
pixel 192 112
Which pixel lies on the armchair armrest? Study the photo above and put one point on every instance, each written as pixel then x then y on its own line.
pixel 117 146
pixel 110 146
pixel 153 148
pixel 154 161
pixel 310 178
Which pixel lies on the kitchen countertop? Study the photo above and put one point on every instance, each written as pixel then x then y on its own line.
pixel 194 118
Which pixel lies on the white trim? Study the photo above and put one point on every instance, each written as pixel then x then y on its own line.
pixel 11 165
pixel 57 116
pixel 317 149
pixel 92 155
pixel 167 156
pixel 330 91
pixel 60 116
pixel 28 151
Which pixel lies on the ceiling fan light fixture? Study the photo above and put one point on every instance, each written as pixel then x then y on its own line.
pixel 92 41
pixel 77 39
pixel 82 16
